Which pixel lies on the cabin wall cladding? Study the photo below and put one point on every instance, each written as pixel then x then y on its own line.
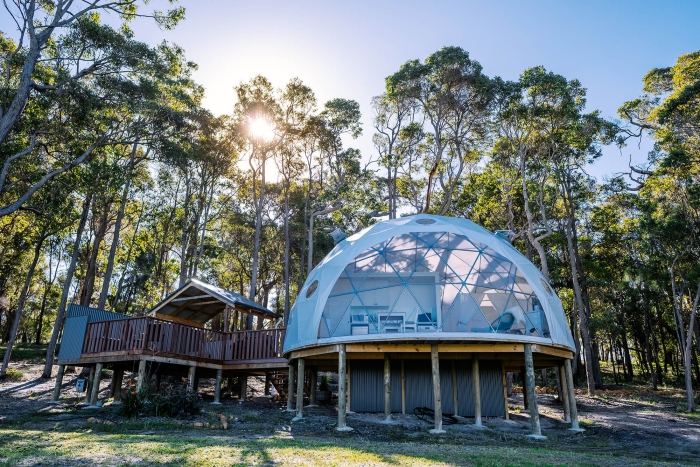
pixel 77 319
pixel 367 386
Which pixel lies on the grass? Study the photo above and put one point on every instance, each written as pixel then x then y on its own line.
pixel 29 353
pixel 98 446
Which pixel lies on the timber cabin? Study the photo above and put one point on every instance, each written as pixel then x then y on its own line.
pixel 421 311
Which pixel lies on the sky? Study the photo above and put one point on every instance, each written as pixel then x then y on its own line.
pixel 347 49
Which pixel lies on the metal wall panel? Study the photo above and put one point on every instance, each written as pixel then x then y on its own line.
pixel 77 319
pixel 395 386
pixel 73 337
pixel 367 387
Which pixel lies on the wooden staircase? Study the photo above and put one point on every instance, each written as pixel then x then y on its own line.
pixel 280 380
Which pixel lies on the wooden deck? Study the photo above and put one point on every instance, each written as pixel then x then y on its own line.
pixel 148 338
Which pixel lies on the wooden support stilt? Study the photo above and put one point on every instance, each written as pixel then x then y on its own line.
pixel 300 389
pixel 59 383
pixel 437 398
pixel 118 377
pixel 572 397
pixel 229 385
pixel 313 385
pixel 564 392
pixel 141 378
pixel 290 389
pixel 476 381
pixel 532 395
pixel 88 390
pixel 387 388
pixel 244 387
pixel 96 384
pixel 191 378
pixel 267 383
pixel 156 387
pixel 217 387
pixel 342 390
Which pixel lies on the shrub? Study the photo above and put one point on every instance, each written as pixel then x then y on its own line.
pixel 324 382
pixel 174 401
pixel 13 374
pixel 132 400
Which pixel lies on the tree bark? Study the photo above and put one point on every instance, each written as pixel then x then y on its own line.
pixel 117 231
pixel 61 313
pixel 20 307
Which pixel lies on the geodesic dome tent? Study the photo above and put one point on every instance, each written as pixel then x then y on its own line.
pixel 426 278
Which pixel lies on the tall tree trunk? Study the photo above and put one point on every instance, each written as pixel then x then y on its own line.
pixel 61 313
pixel 88 288
pixel 20 307
pixel 689 396
pixel 256 241
pixel 583 320
pixel 647 341
pixel 185 230
pixel 286 255
pixel 120 284
pixel 117 232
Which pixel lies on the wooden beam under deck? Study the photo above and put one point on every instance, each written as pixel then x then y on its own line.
pixel 420 351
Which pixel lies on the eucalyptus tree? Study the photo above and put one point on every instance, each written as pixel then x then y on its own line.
pixel 669 112
pixel 298 104
pixel 55 107
pixel 51 215
pixel 398 132
pixel 454 97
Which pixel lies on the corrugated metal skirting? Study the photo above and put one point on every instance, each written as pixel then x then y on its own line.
pixel 77 319
pixel 367 386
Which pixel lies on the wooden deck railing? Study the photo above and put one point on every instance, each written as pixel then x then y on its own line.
pixel 166 338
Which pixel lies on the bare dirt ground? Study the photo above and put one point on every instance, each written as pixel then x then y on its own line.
pixel 643 426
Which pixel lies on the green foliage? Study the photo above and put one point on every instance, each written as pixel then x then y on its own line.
pixel 174 401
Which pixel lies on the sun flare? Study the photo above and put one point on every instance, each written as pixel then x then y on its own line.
pixel 261 128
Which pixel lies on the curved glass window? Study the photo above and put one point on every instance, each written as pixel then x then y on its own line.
pixel 431 282
pixel 312 288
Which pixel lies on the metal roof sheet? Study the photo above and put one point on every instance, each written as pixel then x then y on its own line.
pixel 199 302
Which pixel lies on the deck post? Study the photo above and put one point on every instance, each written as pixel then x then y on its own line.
pixel 59 383
pixel 88 389
pixel 572 397
pixel 342 390
pixel 523 376
pixel 117 378
pixel 387 388
pixel 191 378
pixel 313 385
pixel 300 389
pixel 564 393
pixel 217 387
pixel 477 390
pixel 96 384
pixel 244 387
pixel 290 389
pixel 437 399
pixel 267 383
pixel 141 378
pixel 157 383
pixel 532 396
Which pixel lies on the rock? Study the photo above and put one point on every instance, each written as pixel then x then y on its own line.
pixel 199 424
pixel 224 422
